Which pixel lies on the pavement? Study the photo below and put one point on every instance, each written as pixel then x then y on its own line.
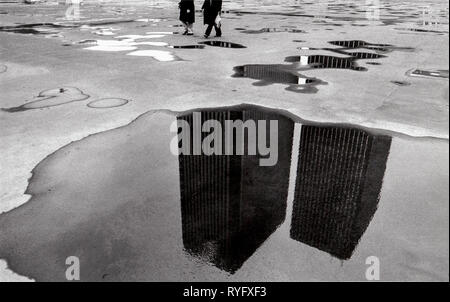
pixel 78 76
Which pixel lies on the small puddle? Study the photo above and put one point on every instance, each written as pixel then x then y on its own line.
pixel 222 44
pixel 33 29
pixel 401 83
pixel 187 46
pixel 108 103
pixel 428 73
pixel 351 44
pixel 288 74
pixel 322 61
pixel 272 30
pixel 421 30
pixel 278 74
pixel 51 98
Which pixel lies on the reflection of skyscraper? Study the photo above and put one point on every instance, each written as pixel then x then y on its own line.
pixel 339 178
pixel 229 203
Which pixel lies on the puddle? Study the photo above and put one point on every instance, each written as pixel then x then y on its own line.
pixel 278 74
pixel 428 73
pixel 222 44
pixel 127 207
pixel 33 29
pixel 230 204
pixel 401 83
pixel 272 30
pixel 351 44
pixel 322 61
pixel 159 55
pixel 365 55
pixel 52 36
pixel 51 98
pixel 104 32
pixel 153 33
pixel 108 103
pixel 286 74
pixel 83 42
pixel 339 178
pixel 421 30
pixel 187 46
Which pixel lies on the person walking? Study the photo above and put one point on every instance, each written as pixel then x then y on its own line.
pixel 212 9
pixel 187 16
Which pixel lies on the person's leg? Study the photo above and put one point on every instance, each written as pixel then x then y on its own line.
pixel 218 30
pixel 208 30
pixel 190 29
pixel 186 28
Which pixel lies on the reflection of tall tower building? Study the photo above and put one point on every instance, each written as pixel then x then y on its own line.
pixel 339 178
pixel 229 203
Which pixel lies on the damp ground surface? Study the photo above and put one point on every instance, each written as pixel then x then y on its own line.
pixel 116 52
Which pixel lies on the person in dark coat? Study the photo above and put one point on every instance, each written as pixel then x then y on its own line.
pixel 187 16
pixel 211 10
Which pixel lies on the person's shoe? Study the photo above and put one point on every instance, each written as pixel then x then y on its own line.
pixel 206 36
pixel 185 33
pixel 190 34
pixel 218 36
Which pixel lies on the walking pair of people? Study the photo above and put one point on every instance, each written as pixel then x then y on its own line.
pixel 211 16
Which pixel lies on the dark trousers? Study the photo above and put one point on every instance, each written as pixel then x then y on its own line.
pixel 217 29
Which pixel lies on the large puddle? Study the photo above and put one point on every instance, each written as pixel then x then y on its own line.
pixel 130 209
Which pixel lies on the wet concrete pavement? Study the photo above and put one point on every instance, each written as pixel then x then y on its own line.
pixel 161 77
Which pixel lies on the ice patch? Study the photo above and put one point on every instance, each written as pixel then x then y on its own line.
pixel 159 55
pixel 112 45
pixel 111 48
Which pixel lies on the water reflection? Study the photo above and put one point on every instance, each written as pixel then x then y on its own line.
pixel 223 44
pixel 428 73
pixel 33 29
pixel 339 178
pixel 230 204
pixel 278 74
